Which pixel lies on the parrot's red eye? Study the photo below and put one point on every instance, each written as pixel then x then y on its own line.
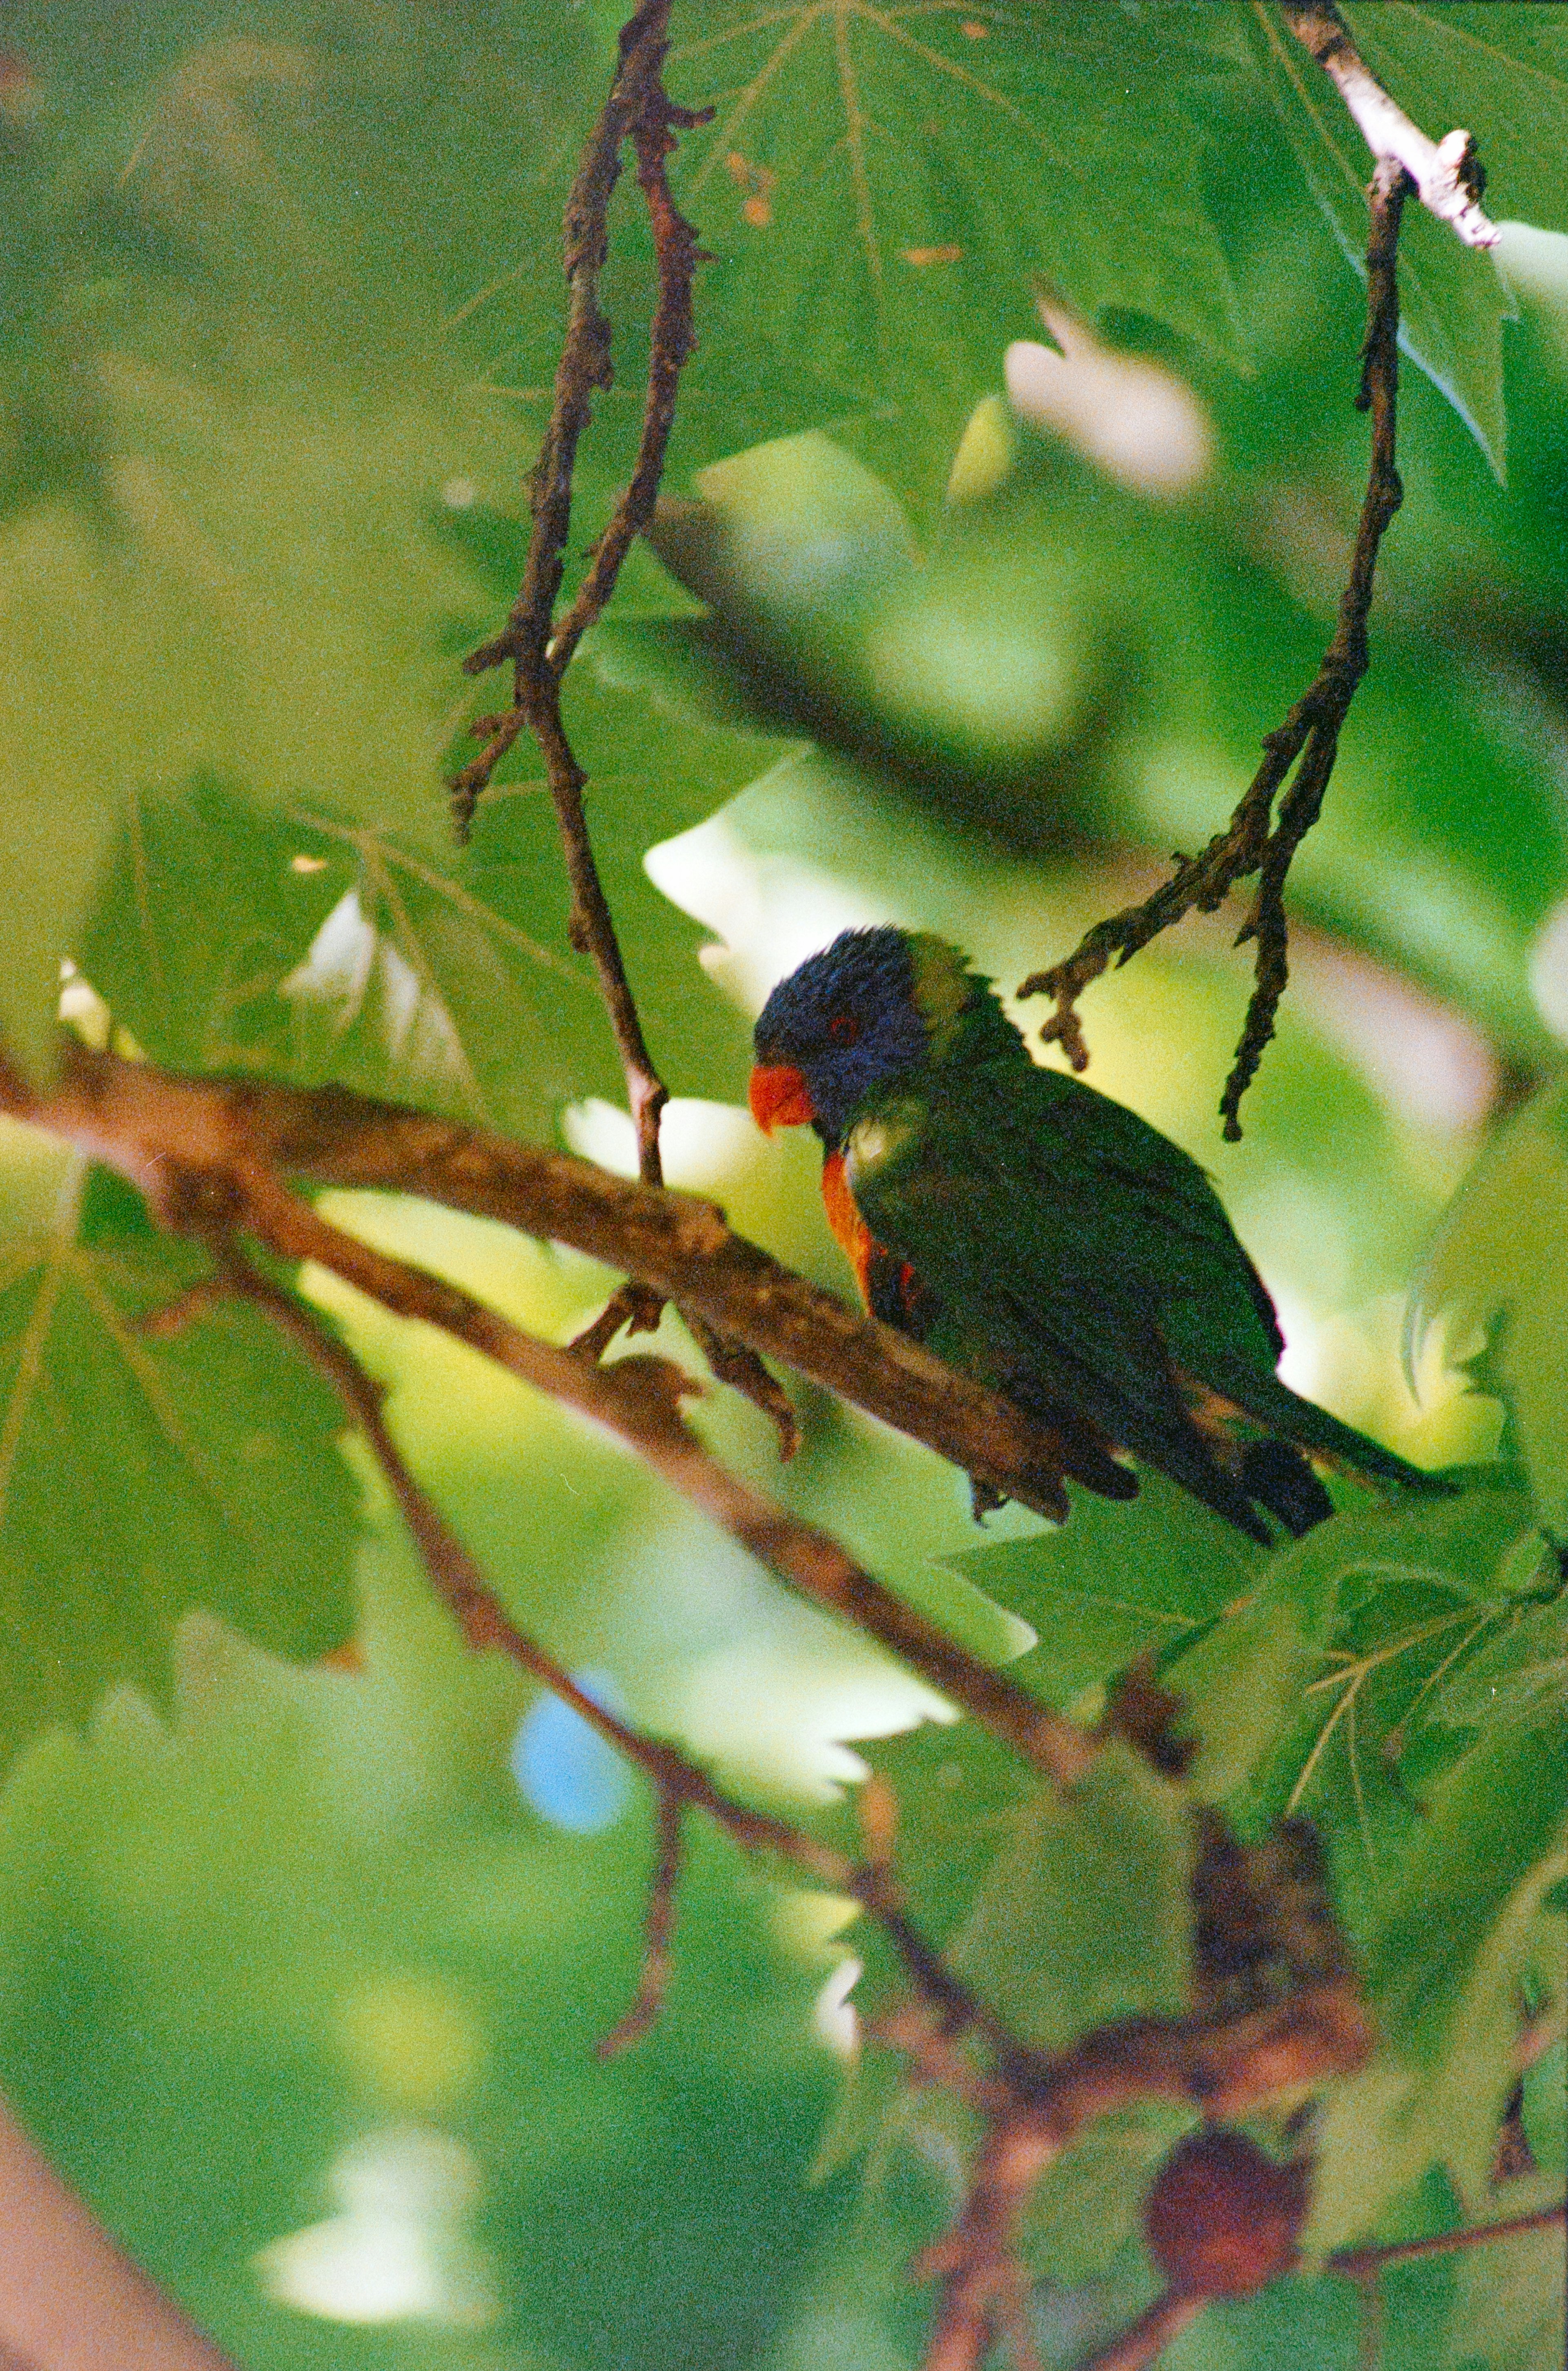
pixel 844 1029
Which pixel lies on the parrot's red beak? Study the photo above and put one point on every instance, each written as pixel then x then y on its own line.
pixel 778 1097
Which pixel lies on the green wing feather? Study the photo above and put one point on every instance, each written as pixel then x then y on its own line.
pixel 1084 1247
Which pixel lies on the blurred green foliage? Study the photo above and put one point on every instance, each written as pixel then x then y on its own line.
pixel 295 1985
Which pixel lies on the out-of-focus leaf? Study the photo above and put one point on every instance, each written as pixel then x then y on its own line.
pixel 302 941
pixel 1087 1915
pixel 245 243
pixel 1465 1941
pixel 308 1929
pixel 1497 1267
pixel 142 1477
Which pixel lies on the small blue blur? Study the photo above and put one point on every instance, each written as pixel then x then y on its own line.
pixel 563 1768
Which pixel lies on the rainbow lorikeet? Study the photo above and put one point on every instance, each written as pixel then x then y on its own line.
pixel 1041 1237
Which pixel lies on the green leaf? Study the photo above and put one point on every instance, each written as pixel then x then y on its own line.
pixel 1116 1581
pixel 1497 1267
pixel 142 1476
pixel 876 189
pixel 297 942
pixel 1506 2310
pixel 1369 1583
pixel 1452 303
pixel 1465 1938
pixel 249 243
pixel 1087 1915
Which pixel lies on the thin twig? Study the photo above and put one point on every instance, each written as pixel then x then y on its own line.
pixel 539 650
pixel 1257 839
pixel 658 1930
pixel 1447 176
pixel 1366 2264
pixel 678 1782
pixel 540 647
pixel 141 1120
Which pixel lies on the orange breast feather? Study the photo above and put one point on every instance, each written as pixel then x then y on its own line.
pixel 845 1221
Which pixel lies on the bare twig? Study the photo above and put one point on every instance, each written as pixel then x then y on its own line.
pixel 677 1783
pixel 1366 2264
pixel 658 1930
pixel 141 1120
pixel 1258 839
pixel 1447 176
pixel 539 649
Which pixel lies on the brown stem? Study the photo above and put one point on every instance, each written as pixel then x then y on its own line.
pixel 974 2261
pixel 1366 2264
pixel 540 647
pixel 658 1930
pixel 1257 839
pixel 637 109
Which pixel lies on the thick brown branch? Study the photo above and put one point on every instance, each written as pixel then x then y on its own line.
pixel 203 1156
pixel 139 1119
pixel 1448 177
pixel 1258 839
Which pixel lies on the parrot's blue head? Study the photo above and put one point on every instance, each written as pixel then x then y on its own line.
pixel 871 1009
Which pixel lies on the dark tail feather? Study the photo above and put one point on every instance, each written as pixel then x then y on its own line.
pixel 1280 1478
pixel 1319 1434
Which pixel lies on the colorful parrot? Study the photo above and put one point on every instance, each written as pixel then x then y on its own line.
pixel 1041 1237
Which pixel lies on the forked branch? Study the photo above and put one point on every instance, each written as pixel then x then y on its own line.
pixel 1262 838
pixel 539 649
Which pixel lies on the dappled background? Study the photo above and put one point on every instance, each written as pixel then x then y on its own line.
pixel 306 1959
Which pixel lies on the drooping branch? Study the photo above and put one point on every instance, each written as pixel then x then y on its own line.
pixel 679 1783
pixel 1260 839
pixel 537 647
pixel 1446 173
